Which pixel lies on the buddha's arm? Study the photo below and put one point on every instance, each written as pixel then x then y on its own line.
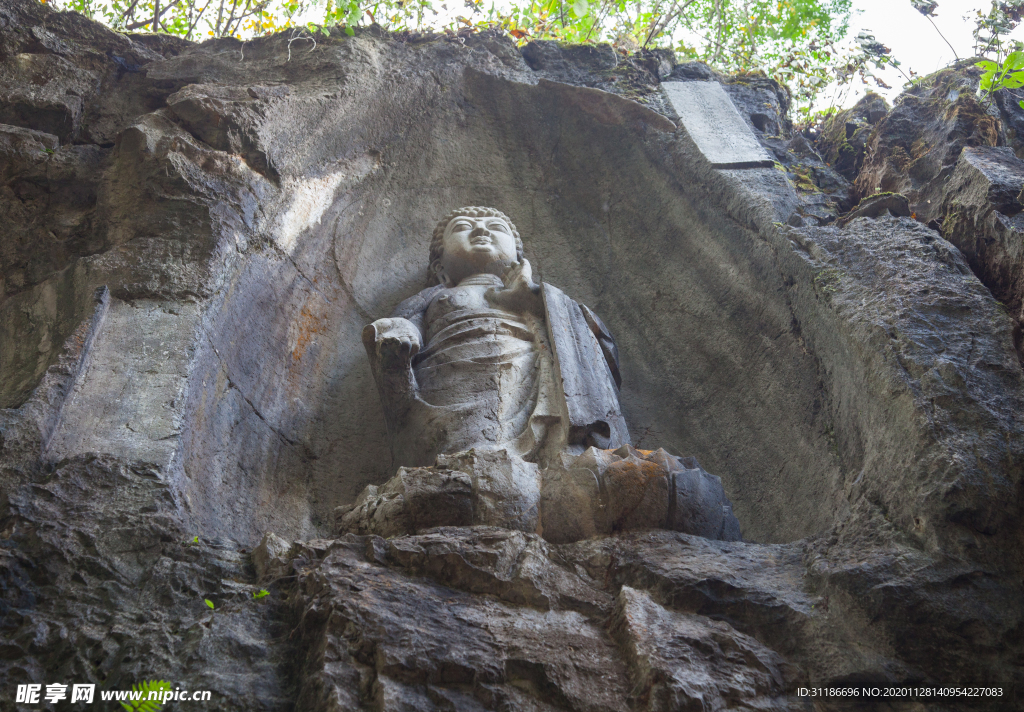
pixel 391 344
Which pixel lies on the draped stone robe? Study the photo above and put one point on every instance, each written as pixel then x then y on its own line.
pixel 488 378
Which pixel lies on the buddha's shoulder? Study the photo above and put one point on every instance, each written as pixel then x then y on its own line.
pixel 417 304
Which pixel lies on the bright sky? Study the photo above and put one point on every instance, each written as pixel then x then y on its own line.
pixel 913 40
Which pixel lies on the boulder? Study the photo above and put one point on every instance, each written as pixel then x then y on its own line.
pixel 879 205
pixel 269 556
pixel 681 661
pixel 914 148
pixel 982 217
pixel 843 138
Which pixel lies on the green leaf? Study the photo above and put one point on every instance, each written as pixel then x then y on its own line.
pixel 350 31
pixel 1014 61
pixel 1021 103
pixel 580 7
pixel 261 593
pixel 1012 83
pixel 987 64
pixel 195 539
pixel 208 602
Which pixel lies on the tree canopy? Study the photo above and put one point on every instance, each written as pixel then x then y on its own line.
pixel 796 41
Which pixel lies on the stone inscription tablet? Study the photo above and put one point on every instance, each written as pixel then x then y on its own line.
pixel 711 120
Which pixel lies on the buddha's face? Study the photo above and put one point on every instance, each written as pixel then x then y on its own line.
pixel 483 245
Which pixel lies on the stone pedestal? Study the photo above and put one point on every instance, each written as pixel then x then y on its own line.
pixel 599 492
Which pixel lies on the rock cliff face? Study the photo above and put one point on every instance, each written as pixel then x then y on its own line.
pixel 195 234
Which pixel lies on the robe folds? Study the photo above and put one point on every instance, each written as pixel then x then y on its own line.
pixel 488 378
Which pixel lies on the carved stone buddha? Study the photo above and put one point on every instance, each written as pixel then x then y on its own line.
pixel 501 402
pixel 488 359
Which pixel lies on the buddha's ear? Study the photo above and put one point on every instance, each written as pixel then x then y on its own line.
pixel 438 269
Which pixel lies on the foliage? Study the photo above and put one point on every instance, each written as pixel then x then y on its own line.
pixel 260 594
pixel 1008 74
pixel 989 39
pixel 208 602
pixel 145 705
pixel 868 56
pixel 992 27
pixel 794 41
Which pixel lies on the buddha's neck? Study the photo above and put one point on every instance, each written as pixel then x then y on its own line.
pixel 481 280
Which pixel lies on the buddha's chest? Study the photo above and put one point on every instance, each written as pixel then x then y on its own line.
pixel 469 298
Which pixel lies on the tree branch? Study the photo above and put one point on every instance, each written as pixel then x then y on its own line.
pixel 154 19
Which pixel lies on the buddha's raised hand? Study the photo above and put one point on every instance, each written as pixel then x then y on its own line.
pixel 519 293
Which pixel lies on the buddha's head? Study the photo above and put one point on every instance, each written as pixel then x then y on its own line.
pixel 473 240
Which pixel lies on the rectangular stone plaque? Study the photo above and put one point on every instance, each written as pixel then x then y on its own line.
pixel 713 123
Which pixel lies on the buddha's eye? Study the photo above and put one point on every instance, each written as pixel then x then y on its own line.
pixel 497 225
pixel 462 225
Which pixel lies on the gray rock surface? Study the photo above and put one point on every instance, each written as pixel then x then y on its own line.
pixel 856 388
pixel 842 141
pixel 538 641
pixel 879 205
pixel 914 149
pixel 681 661
pixel 982 217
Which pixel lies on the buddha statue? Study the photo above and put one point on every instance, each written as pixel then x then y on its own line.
pixel 488 359
pixel 500 397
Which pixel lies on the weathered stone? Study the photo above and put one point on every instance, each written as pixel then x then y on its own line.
pixel 731 624
pixel 599 492
pixel 269 555
pixel 843 140
pixel 601 67
pixel 761 101
pixel 512 566
pixel 681 662
pixel 1012 115
pixel 982 217
pixel 101 583
pixel 630 490
pixel 414 499
pixel 879 205
pixel 491 488
pixel 379 638
pixel 940 370
pixel 822 192
pixel 914 149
